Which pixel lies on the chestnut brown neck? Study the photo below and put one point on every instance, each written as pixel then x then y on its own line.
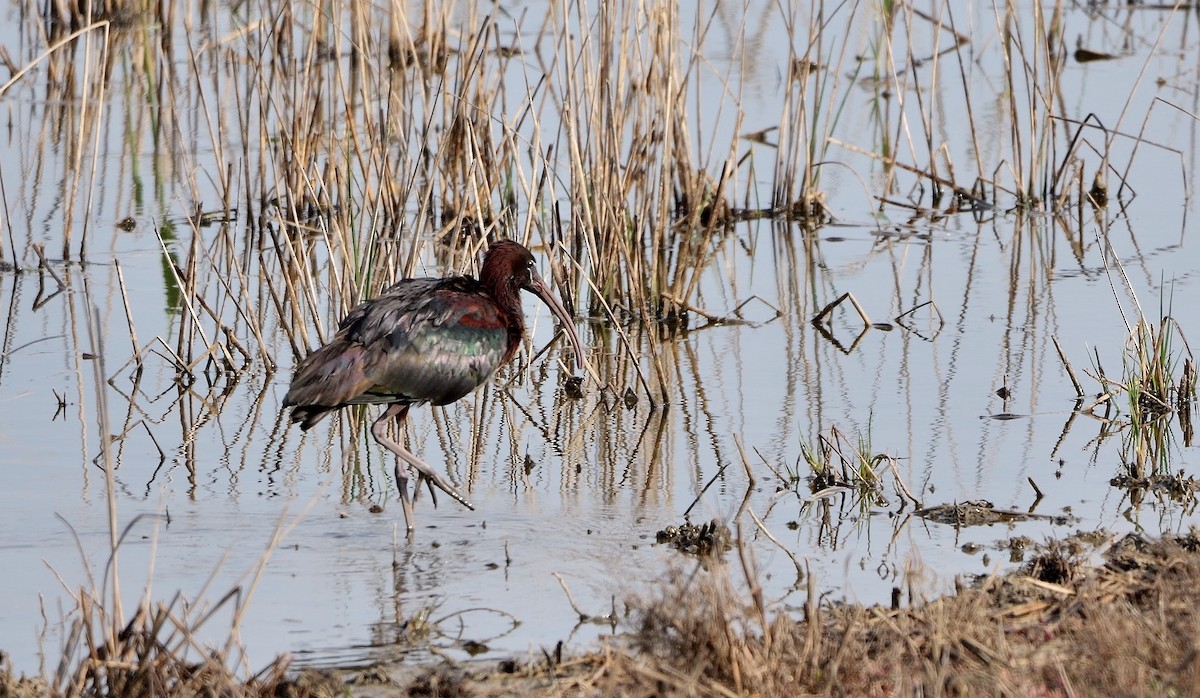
pixel 502 266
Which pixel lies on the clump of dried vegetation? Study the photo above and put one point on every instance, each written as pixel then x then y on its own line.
pixel 1055 627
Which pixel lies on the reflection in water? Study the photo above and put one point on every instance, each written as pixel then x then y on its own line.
pixel 577 485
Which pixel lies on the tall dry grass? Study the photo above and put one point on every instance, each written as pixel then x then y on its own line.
pixel 326 149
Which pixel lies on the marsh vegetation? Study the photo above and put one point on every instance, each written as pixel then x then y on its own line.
pixel 836 268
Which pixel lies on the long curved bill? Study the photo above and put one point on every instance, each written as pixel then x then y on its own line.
pixel 539 288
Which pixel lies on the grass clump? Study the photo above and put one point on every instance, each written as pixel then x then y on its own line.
pixel 1158 385
pixel 1125 627
pixel 838 464
pixel 155 654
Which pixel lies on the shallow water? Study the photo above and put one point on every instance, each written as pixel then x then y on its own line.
pixel 579 487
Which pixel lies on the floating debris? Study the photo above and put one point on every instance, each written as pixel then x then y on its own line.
pixel 982 513
pixel 573 387
pixel 712 538
pixel 1180 487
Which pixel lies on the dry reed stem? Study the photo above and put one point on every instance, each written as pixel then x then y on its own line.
pixel 381 131
pixel 370 154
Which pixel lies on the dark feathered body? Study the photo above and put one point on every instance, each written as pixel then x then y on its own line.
pixel 422 340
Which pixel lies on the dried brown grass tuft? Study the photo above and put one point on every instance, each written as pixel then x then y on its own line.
pixel 1123 628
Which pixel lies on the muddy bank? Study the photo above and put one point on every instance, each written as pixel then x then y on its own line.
pixel 1057 626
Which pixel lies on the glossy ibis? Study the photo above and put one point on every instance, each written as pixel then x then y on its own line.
pixel 423 340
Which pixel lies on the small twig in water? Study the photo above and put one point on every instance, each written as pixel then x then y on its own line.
pixel 900 481
pixel 1062 356
pixel 583 617
pixel 786 482
pixel 795 561
pixel 1038 498
pixel 737 441
pixel 40 250
pixel 902 318
pixel 696 501
pixel 821 316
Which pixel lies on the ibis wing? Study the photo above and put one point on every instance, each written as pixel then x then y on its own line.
pixel 427 340
pixel 328 378
pixel 437 349
pixel 422 340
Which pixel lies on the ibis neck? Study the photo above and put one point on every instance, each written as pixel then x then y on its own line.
pixel 508 298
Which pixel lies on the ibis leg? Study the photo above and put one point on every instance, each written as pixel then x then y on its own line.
pixel 425 473
pixel 405 502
